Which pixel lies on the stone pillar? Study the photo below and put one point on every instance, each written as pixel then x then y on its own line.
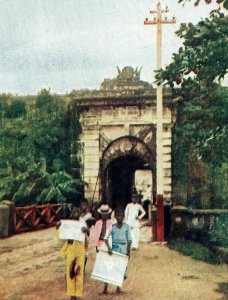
pixel 6 218
pixel 91 163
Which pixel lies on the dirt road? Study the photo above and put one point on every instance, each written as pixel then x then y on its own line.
pixel 31 269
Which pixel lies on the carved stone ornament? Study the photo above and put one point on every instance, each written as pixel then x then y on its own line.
pixel 127 79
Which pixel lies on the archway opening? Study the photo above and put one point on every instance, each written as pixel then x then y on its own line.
pixel 120 178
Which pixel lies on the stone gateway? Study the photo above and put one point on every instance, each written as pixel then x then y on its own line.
pixel 119 137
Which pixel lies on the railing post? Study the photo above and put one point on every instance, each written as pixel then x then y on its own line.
pixel 48 214
pixel 15 219
pixel 154 223
pixel 33 216
pixel 64 210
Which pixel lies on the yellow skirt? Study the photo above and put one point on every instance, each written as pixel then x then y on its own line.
pixel 72 251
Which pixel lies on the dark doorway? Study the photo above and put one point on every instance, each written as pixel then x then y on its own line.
pixel 120 179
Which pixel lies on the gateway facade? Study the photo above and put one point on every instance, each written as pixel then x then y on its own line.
pixel 118 138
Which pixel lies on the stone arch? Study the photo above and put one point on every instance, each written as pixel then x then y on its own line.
pixel 127 152
pixel 127 145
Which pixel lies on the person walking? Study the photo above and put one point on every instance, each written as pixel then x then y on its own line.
pixel 74 252
pixel 100 229
pixel 102 225
pixel 87 217
pixel 120 233
pixel 86 214
pixel 134 212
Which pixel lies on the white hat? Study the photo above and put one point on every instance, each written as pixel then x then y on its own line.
pixel 104 209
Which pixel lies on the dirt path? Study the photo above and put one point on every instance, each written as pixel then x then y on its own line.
pixel 30 268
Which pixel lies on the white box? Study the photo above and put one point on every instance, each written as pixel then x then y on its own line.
pixel 71 230
pixel 110 268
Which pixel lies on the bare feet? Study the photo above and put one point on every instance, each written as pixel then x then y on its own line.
pixel 118 290
pixel 105 291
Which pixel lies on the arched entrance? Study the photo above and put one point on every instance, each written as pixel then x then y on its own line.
pixel 121 159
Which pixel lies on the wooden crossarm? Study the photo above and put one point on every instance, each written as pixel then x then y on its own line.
pixel 54 211
pixel 23 218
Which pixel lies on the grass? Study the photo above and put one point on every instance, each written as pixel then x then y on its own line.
pixel 195 250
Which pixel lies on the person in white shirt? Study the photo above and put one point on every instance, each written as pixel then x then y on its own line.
pixel 133 213
pixel 146 201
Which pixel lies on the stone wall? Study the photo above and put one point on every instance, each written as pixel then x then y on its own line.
pixel 101 126
pixel 184 218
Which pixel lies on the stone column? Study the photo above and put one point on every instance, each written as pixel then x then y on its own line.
pixel 91 163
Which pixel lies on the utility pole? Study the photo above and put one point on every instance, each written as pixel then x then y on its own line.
pixel 159 20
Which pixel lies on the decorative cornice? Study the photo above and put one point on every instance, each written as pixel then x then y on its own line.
pixel 124 100
pixel 125 90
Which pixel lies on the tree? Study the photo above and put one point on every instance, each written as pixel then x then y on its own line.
pixel 33 145
pixel 16 109
pixel 197 2
pixel 44 99
pixel 16 186
pixel 52 138
pixel 195 73
pixel 58 187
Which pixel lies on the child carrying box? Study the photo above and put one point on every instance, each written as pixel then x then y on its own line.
pixel 121 239
pixel 74 251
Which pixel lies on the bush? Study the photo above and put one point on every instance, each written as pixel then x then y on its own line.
pixel 216 236
pixel 219 231
pixel 195 250
pixel 198 234
pixel 16 109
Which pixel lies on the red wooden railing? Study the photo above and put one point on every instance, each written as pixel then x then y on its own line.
pixel 36 216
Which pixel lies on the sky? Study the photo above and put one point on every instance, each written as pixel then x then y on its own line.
pixel 75 44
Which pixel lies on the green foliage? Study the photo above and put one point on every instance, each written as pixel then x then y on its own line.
pixel 57 187
pixel 198 234
pixel 201 131
pixel 37 147
pixel 203 106
pixel 216 236
pixel 16 109
pixel 35 186
pixel 16 185
pixel 219 232
pixel 197 2
pixel 44 100
pixel 219 201
pixel 195 250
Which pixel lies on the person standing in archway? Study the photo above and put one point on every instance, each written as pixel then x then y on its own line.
pixel 146 200
pixel 134 212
